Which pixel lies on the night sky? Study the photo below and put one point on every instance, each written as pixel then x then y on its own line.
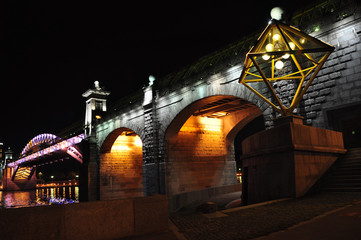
pixel 52 51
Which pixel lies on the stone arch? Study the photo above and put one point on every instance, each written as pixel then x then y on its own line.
pixel 111 138
pixel 188 99
pixel 111 129
pixel 121 165
pixel 199 150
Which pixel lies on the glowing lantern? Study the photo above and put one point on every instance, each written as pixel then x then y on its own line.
pixel 280 44
pixel 279 64
pixel 269 47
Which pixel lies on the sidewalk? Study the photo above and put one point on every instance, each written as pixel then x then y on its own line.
pixel 332 216
pixel 266 219
pixel 168 235
pixel 344 223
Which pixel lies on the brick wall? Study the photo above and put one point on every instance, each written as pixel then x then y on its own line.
pixel 337 85
pixel 339 81
pixel 197 156
pixel 121 169
pixel 201 155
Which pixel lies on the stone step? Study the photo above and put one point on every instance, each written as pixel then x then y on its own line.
pixel 344 189
pixel 344 185
pixel 350 159
pixel 349 168
pixel 348 163
pixel 355 149
pixel 346 171
pixel 345 175
pixel 346 180
pixel 353 153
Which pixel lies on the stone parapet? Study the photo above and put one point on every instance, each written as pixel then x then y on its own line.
pixel 111 219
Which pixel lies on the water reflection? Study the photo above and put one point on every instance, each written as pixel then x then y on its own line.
pixel 40 196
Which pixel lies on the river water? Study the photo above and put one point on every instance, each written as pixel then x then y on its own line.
pixel 39 197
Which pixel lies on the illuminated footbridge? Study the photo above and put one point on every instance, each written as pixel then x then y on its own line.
pixel 42 149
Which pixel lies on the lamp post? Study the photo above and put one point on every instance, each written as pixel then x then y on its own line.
pixel 284 53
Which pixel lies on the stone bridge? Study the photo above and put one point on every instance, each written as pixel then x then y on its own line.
pixel 181 134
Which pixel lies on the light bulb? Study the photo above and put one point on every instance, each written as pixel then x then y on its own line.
pixel 269 47
pixel 276 13
pixel 276 37
pixel 279 65
pixel 266 57
pixel 302 40
pixel 286 56
pixel 292 45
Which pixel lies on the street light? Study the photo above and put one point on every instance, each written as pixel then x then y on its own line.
pixel 279 46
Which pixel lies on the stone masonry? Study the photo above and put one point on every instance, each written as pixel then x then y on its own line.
pixel 158 115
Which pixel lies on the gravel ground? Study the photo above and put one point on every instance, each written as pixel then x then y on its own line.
pixel 259 221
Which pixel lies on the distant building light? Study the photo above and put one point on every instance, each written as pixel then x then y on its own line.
pixel 98 116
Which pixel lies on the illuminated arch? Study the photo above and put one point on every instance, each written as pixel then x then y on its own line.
pixel 45 144
pixel 44 138
pixel 110 139
pixel 121 165
pixel 199 143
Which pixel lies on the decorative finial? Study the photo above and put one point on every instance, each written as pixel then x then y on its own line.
pixel 276 13
pixel 96 85
pixel 151 80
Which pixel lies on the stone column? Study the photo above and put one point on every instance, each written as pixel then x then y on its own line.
pixel 151 166
pixel 89 172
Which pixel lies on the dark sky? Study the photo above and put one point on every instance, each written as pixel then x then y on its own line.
pixel 52 51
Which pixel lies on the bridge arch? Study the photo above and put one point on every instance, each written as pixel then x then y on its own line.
pixel 35 143
pixel 199 142
pixel 107 131
pixel 121 165
pixel 187 101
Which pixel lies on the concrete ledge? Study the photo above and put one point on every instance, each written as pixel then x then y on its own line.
pixel 110 219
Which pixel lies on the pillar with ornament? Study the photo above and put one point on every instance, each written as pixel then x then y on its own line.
pixel 288 159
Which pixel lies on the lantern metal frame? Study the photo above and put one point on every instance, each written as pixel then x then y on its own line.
pixel 279 41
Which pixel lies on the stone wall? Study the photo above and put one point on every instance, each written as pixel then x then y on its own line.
pixel 339 81
pixel 201 154
pixel 197 157
pixel 163 109
pixel 112 219
pixel 121 169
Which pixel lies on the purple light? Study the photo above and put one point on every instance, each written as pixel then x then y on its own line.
pixel 40 139
pixel 65 145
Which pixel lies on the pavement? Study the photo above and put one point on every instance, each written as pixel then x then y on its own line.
pixel 341 223
pixel 168 235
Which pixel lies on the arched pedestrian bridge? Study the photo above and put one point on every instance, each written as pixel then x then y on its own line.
pixel 42 149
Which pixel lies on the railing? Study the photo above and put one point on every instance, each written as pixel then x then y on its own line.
pixel 63 145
